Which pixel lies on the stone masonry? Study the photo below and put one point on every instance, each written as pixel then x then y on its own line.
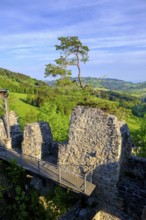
pixel 95 143
pixel 3 134
pixel 37 139
pixel 100 142
pixel 15 130
pixel 105 216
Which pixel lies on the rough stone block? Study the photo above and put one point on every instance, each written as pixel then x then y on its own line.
pixel 37 140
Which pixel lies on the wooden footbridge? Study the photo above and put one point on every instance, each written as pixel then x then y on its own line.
pixel 73 181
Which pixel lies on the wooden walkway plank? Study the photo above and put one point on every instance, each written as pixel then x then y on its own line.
pixel 75 182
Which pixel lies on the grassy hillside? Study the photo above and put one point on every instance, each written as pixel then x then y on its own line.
pixel 27 113
pixel 17 101
pixel 133 124
pixel 20 83
pixel 34 100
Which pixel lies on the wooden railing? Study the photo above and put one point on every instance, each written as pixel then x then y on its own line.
pixel 74 181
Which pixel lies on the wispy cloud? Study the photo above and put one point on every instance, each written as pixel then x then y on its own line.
pixel 114 30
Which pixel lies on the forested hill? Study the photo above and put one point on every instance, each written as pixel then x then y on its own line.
pixel 17 82
pixel 111 84
pixel 117 85
pixel 114 84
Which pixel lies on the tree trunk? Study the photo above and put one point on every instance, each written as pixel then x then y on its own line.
pixel 79 71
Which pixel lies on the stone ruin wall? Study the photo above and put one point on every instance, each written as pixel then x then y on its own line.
pixel 101 215
pixel 132 187
pixel 3 134
pixel 37 141
pixel 95 138
pixel 96 141
pixel 15 130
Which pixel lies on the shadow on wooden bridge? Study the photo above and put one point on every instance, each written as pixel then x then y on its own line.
pixel 73 181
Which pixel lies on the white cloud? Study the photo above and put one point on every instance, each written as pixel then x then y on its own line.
pixel 114 31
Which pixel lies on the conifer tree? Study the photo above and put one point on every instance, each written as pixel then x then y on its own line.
pixel 73 52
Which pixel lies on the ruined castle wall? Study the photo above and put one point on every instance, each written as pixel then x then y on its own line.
pixel 132 186
pixel 3 134
pixel 15 130
pixel 105 216
pixel 91 140
pixel 134 168
pixel 143 216
pixel 37 140
pixel 96 141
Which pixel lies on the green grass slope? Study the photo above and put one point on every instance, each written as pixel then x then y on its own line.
pixel 17 101
pixel 22 88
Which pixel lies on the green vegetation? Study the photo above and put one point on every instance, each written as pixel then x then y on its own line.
pixel 54 104
pixel 140 139
pixel 27 113
pixel 19 201
pixel 20 83
pixel 13 196
pixel 135 89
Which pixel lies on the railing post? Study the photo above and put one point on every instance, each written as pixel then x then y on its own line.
pixel 59 170
pixel 21 158
pixel 38 167
pixel 85 182
pixel 6 153
pixel 7 117
pixel 91 177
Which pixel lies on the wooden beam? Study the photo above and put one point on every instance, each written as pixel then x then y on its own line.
pixel 7 117
pixel 4 93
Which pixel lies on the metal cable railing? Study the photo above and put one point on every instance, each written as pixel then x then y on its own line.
pixel 72 180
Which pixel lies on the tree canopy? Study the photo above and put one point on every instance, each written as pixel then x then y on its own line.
pixel 73 52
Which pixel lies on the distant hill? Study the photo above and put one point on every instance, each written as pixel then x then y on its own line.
pixel 112 84
pixel 106 83
pixel 18 82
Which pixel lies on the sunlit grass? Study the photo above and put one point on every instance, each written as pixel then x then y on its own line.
pixel 17 102
pixel 133 124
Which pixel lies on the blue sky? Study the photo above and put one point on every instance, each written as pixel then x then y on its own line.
pixel 114 31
